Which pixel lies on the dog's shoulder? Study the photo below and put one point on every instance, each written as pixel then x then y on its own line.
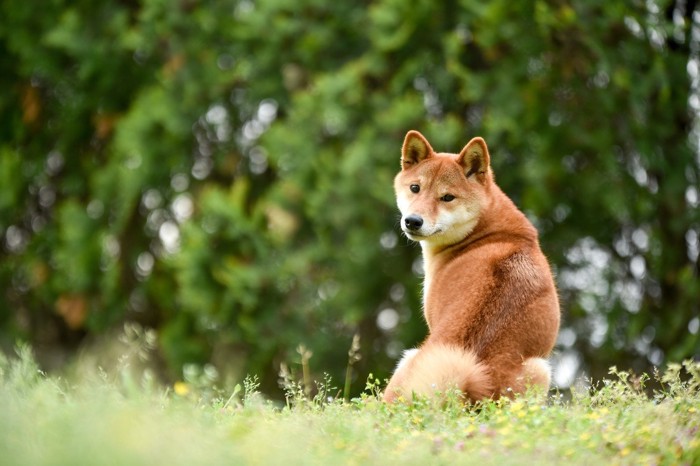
pixel 520 266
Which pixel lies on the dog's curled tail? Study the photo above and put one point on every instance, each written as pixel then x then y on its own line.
pixel 439 368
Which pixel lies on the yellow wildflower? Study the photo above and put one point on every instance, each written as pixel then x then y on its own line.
pixel 517 406
pixel 181 388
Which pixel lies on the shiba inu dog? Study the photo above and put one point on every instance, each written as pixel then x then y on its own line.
pixel 489 297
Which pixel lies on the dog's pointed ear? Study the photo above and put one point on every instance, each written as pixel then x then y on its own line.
pixel 475 158
pixel 415 149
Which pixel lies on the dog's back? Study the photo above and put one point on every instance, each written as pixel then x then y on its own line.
pixel 489 297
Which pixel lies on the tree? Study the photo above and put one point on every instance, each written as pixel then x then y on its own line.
pixel 222 171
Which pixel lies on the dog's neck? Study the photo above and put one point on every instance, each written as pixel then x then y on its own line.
pixel 432 256
pixel 428 265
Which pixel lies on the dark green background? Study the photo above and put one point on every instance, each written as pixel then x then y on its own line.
pixel 221 171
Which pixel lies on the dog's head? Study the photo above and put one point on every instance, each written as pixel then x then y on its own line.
pixel 440 195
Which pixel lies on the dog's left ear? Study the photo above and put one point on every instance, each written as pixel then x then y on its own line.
pixel 475 158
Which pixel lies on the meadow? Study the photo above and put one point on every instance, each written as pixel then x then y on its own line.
pixel 116 418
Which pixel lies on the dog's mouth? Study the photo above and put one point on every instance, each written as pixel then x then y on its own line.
pixel 420 235
pixel 414 236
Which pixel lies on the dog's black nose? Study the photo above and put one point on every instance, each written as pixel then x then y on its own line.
pixel 413 222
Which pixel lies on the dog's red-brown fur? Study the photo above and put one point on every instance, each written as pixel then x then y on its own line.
pixel 489 296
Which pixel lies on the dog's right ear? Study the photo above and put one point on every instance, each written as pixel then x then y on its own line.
pixel 415 149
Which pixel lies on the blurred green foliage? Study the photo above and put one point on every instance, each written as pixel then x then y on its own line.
pixel 222 171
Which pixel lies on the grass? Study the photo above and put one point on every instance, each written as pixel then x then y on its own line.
pixel 119 420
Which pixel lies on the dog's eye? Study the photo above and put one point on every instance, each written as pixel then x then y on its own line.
pixel 447 198
pixel 415 188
